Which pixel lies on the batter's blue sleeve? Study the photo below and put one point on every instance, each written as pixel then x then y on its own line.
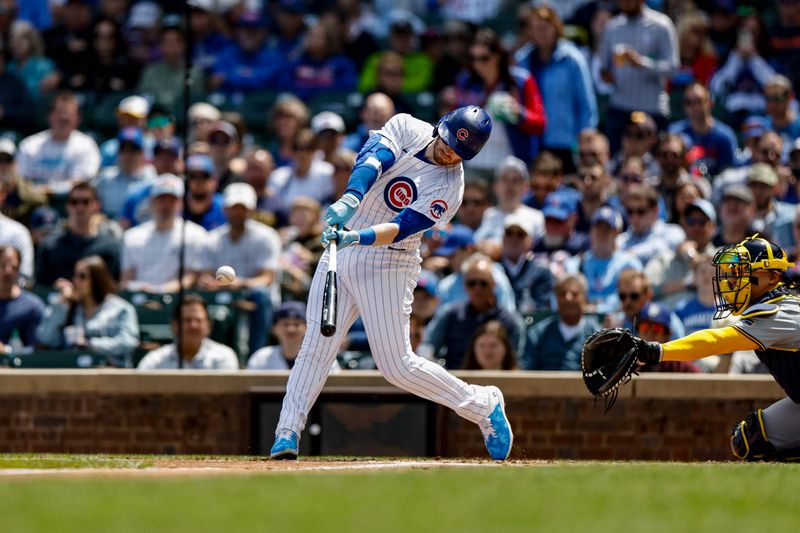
pixel 373 159
pixel 410 222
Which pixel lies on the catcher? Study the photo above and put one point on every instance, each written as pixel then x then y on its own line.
pixel 750 282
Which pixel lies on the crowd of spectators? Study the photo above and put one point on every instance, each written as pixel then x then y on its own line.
pixel 631 139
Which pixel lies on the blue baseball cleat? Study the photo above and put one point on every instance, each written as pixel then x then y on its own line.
pixel 496 428
pixel 285 446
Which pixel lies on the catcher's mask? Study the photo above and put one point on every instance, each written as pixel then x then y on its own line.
pixel 735 266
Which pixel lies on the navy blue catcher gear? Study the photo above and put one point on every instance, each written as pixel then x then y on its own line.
pixel 465 130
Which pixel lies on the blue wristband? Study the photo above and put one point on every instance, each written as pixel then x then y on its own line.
pixel 366 237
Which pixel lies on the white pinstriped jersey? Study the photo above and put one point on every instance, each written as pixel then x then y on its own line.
pixel 434 191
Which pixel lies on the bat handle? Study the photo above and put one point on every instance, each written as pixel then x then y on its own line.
pixel 329 295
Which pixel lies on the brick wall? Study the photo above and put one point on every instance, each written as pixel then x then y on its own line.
pixel 108 411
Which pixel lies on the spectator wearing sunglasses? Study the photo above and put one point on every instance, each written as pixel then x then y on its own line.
pixel 647 234
pixel 448 335
pixel 532 281
pixel 711 143
pixel 81 236
pixel 781 115
pixel 130 172
pixel 654 324
pixel 670 272
pixel 638 139
pixel 671 157
pixel 594 185
pixel 773 216
pixel 634 293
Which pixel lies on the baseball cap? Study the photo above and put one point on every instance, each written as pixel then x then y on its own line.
pixel 8 147
pixel 739 192
pixel 204 111
pixel 203 5
pixel 200 163
pixel 401 20
pixel 239 193
pixel 144 15
pixel 653 312
pixel 754 127
pixel 608 216
pixel 250 19
pixel 290 310
pixel 171 144
pixel 762 173
pixel 135 106
pixel 516 221
pixel 704 206
pixel 429 282
pixel 516 164
pixel 327 120
pixel 132 135
pixel 642 121
pixel 222 126
pixel 44 218
pixel 559 206
pixel 459 237
pixel 167 184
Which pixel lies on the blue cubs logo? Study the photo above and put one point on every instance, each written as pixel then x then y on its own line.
pixel 438 208
pixel 400 193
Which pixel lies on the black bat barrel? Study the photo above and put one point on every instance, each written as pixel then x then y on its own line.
pixel 329 304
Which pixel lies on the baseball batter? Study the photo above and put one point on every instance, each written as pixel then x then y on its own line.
pixel 750 281
pixel 407 178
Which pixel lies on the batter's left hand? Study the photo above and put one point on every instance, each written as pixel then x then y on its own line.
pixel 343 238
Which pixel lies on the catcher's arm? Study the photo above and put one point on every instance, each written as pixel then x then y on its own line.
pixel 707 342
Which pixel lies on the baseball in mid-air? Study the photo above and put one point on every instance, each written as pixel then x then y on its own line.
pixel 225 275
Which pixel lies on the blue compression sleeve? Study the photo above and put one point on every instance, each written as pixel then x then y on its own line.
pixel 366 237
pixel 410 222
pixel 373 159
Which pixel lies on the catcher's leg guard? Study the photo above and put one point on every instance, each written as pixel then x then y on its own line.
pixel 749 440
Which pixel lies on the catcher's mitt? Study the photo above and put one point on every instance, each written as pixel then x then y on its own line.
pixel 609 358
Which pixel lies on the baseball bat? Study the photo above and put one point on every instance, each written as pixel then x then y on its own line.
pixel 329 295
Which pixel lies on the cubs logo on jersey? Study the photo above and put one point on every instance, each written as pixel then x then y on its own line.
pixel 438 208
pixel 400 193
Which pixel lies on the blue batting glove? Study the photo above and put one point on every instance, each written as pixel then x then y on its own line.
pixel 343 238
pixel 341 210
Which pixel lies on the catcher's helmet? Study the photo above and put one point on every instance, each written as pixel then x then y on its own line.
pixel 735 265
pixel 465 130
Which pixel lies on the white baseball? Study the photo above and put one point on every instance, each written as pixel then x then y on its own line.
pixel 225 275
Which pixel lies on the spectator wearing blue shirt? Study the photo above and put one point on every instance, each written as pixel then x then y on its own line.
pixel 204 204
pixel 773 216
pixel 132 111
pixel 711 143
pixel 115 183
pixel 781 115
pixel 207 43
pixel 321 68
pixel 564 81
pixel 291 27
pixel 602 264
pixel 20 310
pixel 248 65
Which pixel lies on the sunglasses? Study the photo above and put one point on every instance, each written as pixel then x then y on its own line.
pixel 631 178
pixel 776 98
pixel 480 58
pixel 636 134
pixel 219 141
pixel 79 201
pixel 652 328
pixel 696 221
pixel 516 234
pixel 472 283
pixel 638 212
pixel 198 175
pixel 633 296
pixel 693 101
pixel 589 177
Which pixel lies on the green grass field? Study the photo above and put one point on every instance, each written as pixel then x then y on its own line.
pixel 590 497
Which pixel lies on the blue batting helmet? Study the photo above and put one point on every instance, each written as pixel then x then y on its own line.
pixel 465 130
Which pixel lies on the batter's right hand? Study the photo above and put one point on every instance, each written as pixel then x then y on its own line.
pixel 341 211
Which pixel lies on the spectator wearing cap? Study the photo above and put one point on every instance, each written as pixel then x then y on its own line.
pixel 508 93
pixel 161 125
pixel 752 130
pixel 638 52
pixel 546 176
pixel 671 271
pixel 81 236
pixel 329 129
pixel 114 184
pixel 771 213
pixel 207 41
pixel 168 157
pixel 142 32
pixel 224 145
pixel 202 117
pixel 20 310
pixel 14 234
pixel 253 250
pixel 532 282
pixel 426 297
pixel 321 67
pixel 378 108
pixel 509 188
pixel 671 158
pixel 639 136
pixel 151 251
pixel 204 204
pixel 555 343
pixel 306 176
pixel 249 64
pixel 416 71
pixel 131 113
pixel 737 213
pixel 290 26
pixel 164 80
pixel 560 241
pixel 290 328
pixel 448 335
pixel 647 234
pixel 782 116
pixel 458 246
pixel 17 109
pixel 59 157
pixel 603 263
pixel 712 142
pixel 654 324
pixel 192 324
pixel 564 79
pixel 476 200
pixel 21 196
